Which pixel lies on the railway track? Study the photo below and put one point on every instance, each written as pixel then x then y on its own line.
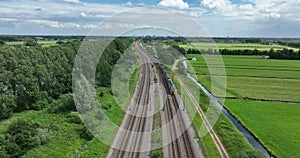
pixel 134 137
pixel 181 144
pixel 130 141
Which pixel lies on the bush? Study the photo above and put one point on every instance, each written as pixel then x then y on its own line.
pixel 156 153
pixel 106 106
pixel 43 135
pixel 65 103
pixel 2 42
pixel 30 42
pixel 86 134
pixel 100 115
pixel 40 104
pixel 20 137
pixel 60 42
pixel 101 94
pixel 73 117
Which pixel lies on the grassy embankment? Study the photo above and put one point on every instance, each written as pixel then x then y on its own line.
pixel 250 79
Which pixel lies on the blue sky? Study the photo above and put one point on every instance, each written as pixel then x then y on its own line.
pixel 238 18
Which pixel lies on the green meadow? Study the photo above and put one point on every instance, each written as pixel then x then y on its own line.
pixel 276 125
pixel 251 77
pixel 263 94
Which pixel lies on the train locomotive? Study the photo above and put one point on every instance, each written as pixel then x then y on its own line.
pixel 171 87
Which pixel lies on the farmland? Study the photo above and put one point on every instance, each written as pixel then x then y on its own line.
pixel 259 89
pixel 43 43
pixel 278 126
pixel 236 46
pixel 253 77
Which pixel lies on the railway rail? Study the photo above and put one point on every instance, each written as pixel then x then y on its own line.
pixel 131 140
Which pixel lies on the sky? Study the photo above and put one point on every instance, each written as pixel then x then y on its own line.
pixel 221 18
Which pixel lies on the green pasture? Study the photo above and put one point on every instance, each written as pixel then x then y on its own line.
pixel 276 125
pixel 40 42
pixel 250 79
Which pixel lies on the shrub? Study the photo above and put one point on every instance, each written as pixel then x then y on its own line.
pixel 156 153
pixel 106 106
pixel 73 117
pixel 101 94
pixel 2 42
pixel 86 134
pixel 30 42
pixel 65 103
pixel 20 137
pixel 43 135
pixel 40 104
pixel 100 115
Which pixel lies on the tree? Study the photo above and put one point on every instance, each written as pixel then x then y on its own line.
pixel 65 103
pixel 7 105
pixel 30 42
pixel 60 42
pixel 2 42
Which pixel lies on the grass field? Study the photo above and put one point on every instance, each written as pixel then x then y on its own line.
pixel 236 46
pixel 275 124
pixel 40 42
pixel 250 79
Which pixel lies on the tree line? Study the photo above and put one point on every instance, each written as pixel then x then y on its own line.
pixel 273 54
pixel 32 77
pixel 35 78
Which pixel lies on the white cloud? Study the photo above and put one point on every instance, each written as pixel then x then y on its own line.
pixel 45 22
pixel 90 26
pixel 246 7
pixel 180 4
pixel 42 16
pixel 69 25
pixel 268 9
pixel 72 1
pixel 82 14
pixel 54 24
pixel 8 19
pixel 215 4
pixel 128 4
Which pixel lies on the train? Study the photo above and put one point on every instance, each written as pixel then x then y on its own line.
pixel 172 89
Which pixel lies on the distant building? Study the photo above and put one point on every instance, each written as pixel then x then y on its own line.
pixel 192 58
pixel 39 38
pixel 265 57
